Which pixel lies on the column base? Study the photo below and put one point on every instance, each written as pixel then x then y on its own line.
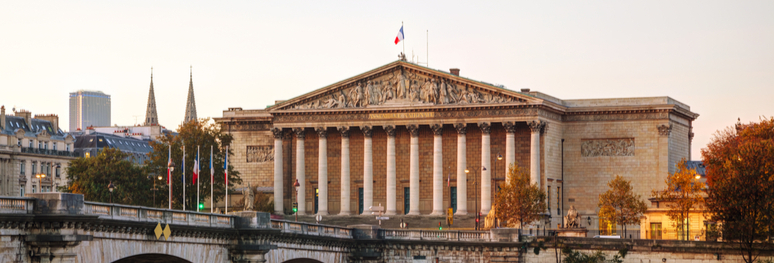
pixel 485 212
pixel 437 213
pixel 391 213
pixel 461 212
pixel 322 213
pixel 414 213
pixel 345 213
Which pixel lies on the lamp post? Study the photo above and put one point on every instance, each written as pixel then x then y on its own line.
pixel 478 213
pixel 110 188
pixel 154 189
pixel 497 188
pixel 171 167
pixel 296 185
pixel 40 176
pixel 548 222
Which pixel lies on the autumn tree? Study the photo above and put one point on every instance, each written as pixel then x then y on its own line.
pixel 518 201
pixel 191 134
pixel 740 176
pixel 682 194
pixel 620 205
pixel 91 177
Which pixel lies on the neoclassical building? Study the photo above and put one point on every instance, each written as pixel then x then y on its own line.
pixel 403 135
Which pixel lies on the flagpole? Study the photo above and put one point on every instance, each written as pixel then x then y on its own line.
pixel 404 37
pixel 212 177
pixel 183 177
pixel 169 175
pixel 197 178
pixel 225 168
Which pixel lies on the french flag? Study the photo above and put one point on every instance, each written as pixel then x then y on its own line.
pixel 399 38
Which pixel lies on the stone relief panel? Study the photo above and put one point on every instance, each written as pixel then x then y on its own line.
pixel 401 87
pixel 607 147
pixel 260 154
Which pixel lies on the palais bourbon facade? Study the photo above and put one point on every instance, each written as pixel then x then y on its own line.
pixel 402 135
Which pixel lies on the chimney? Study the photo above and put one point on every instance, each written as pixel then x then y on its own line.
pixel 27 117
pixel 2 117
pixel 454 71
pixel 52 118
pixel 525 90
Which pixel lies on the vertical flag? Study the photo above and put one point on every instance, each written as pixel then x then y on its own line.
pixel 196 167
pixel 183 178
pixel 448 181
pixel 399 38
pixel 212 180
pixel 225 169
pixel 169 175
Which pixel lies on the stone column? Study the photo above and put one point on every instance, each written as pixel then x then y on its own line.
pixel 486 175
pixel 534 151
pixel 345 183
pixel 278 194
pixel 414 170
pixel 300 173
pixel 462 179
pixel 368 170
pixel 391 208
pixel 322 171
pixel 510 147
pixel 437 169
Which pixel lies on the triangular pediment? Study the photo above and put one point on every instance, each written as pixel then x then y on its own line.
pixel 401 84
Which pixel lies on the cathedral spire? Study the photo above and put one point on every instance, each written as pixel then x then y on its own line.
pixel 151 118
pixel 190 105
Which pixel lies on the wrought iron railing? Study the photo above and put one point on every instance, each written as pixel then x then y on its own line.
pixel 48 152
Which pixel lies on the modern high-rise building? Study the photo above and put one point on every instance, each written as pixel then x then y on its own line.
pixel 89 108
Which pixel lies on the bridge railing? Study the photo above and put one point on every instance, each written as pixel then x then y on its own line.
pixel 450 235
pixel 148 214
pixel 311 229
pixel 16 205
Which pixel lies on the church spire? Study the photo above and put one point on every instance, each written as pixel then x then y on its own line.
pixel 151 118
pixel 190 105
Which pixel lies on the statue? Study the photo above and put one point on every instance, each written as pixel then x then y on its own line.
pixel 572 220
pixel 249 198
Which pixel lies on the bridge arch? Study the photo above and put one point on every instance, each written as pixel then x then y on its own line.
pixel 152 258
pixel 303 260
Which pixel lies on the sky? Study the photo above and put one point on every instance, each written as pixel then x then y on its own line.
pixel 716 56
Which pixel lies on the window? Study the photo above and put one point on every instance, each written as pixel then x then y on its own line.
pixel 21 167
pixel 40 145
pixel 45 145
pixel 54 146
pixel 87 154
pixel 67 147
pixel 18 142
pixel 549 198
pixel 33 188
pixel 30 143
pixel 34 168
pixel 655 230
pixel 21 190
pixel 57 171
pixel 558 199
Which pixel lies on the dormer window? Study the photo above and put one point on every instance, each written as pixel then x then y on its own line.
pixel 45 145
pixel 68 147
pixel 40 145
pixel 30 143
pixel 54 146
pixel 18 142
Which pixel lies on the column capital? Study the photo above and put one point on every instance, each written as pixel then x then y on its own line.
pixel 509 127
pixel 300 133
pixel 437 129
pixel 344 130
pixel 277 132
pixel 390 130
pixel 485 127
pixel 462 128
pixel 664 130
pixel 322 132
pixel 287 135
pixel 367 131
pixel 413 129
pixel 536 126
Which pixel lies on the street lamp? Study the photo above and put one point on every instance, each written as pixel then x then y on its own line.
pixel 296 185
pixel 478 213
pixel 40 176
pixel 171 167
pixel 154 189
pixel 110 187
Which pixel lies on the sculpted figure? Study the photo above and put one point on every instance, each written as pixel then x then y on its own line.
pixel 443 94
pixel 572 220
pixel 387 93
pixel 401 85
pixel 249 197
pixel 414 91
pixel 454 94
pixel 356 95
pixel 342 99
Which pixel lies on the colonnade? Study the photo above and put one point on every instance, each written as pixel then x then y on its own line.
pixel 536 128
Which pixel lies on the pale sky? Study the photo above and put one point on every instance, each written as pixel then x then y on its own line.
pixel 716 56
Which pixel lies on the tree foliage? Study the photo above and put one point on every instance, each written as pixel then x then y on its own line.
pixel 191 134
pixel 261 203
pixel 682 194
pixel 619 204
pixel 91 177
pixel 518 201
pixel 740 176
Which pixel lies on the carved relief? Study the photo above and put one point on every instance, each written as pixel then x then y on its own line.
pixel 401 86
pixel 413 130
pixel 462 128
pixel 607 147
pixel 367 131
pixel 437 129
pixel 322 132
pixel 300 133
pixel 277 133
pixel 509 127
pixel 536 126
pixel 260 154
pixel 485 127
pixel 390 130
pixel 664 130
pixel 344 130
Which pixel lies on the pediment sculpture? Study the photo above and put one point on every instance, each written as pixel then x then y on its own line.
pixel 402 87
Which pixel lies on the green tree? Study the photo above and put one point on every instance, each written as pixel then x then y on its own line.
pixel 200 133
pixel 740 177
pixel 682 194
pixel 518 200
pixel 620 205
pixel 91 177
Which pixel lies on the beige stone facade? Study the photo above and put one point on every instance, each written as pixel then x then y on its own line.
pixel 577 145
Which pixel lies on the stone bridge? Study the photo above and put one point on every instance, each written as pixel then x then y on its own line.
pixel 61 227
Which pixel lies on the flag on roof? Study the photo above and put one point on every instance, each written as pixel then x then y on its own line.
pixel 399 38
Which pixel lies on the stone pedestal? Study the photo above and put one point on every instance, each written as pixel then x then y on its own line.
pixel 504 234
pixel 572 232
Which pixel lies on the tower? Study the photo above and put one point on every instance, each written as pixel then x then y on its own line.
pixel 190 105
pixel 151 118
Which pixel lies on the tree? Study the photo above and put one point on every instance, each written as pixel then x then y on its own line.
pixel 682 194
pixel 740 176
pixel 192 134
pixel 518 200
pixel 91 177
pixel 261 203
pixel 620 205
